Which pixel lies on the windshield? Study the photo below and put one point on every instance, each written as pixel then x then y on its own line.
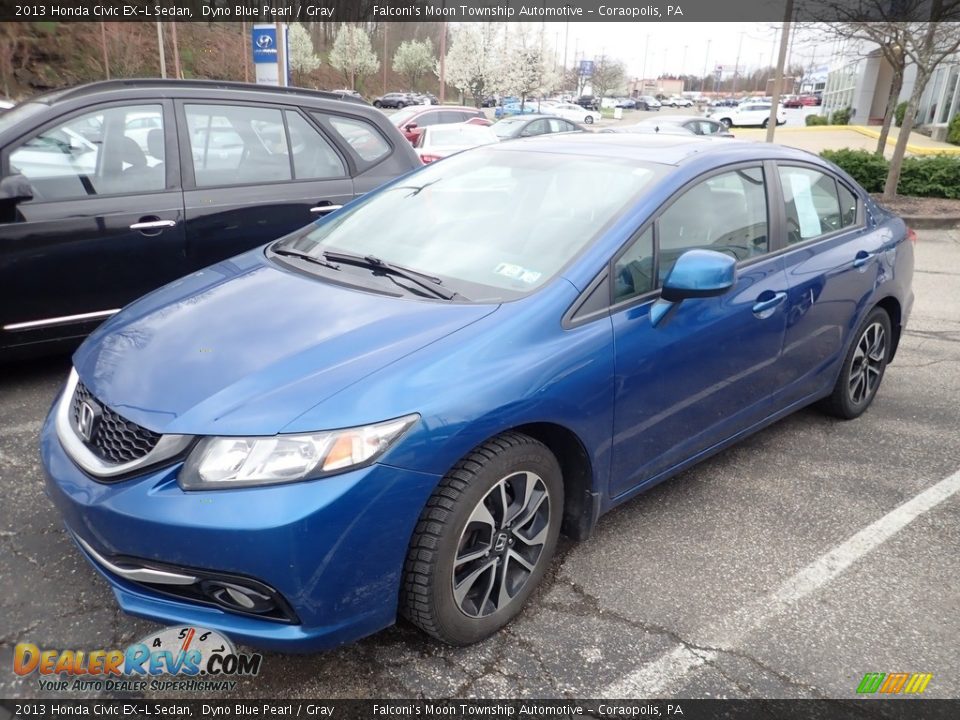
pixel 492 224
pixel 506 127
pixel 10 117
pixel 401 116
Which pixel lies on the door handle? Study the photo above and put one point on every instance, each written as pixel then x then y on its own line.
pixel 325 208
pixel 153 225
pixel 769 302
pixel 862 258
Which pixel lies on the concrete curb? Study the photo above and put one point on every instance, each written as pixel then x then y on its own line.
pixel 932 222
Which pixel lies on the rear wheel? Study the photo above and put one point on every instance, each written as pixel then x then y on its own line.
pixel 377 104
pixel 484 540
pixel 588 120
pixel 727 123
pixel 862 369
pixel 401 105
pixel 765 123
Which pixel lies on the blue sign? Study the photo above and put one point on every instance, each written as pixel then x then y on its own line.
pixel 586 68
pixel 264 44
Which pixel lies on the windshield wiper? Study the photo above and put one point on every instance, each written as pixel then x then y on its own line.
pixel 427 282
pixel 308 258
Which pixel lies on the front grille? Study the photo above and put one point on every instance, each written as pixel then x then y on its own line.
pixel 114 439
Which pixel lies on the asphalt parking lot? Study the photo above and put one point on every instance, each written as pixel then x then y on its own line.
pixel 776 569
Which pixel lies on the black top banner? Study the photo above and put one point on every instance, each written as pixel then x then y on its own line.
pixel 480 10
pixel 624 709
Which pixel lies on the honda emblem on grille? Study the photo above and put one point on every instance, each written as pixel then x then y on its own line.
pixel 86 421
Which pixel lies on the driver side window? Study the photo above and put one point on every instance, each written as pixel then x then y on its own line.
pixel 113 150
pixel 726 212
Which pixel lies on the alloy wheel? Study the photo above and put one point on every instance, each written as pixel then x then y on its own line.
pixel 501 544
pixel 867 366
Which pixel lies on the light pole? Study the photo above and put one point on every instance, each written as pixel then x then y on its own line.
pixel 706 61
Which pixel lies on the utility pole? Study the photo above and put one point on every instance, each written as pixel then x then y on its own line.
pixel 103 43
pixel 385 58
pixel 643 70
pixel 443 61
pixel 176 52
pixel 281 56
pixel 706 61
pixel 778 76
pixel 245 40
pixel 163 57
pixel 736 67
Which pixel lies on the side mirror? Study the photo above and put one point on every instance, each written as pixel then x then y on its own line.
pixel 15 188
pixel 695 274
pixel 410 127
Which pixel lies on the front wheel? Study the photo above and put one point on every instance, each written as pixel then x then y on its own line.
pixel 862 369
pixel 377 104
pixel 726 122
pixel 765 123
pixel 588 120
pixel 484 540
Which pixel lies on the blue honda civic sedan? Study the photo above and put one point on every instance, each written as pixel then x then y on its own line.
pixel 398 409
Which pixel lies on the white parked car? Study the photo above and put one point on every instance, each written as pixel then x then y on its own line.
pixel 569 111
pixel 438 141
pixel 678 101
pixel 748 114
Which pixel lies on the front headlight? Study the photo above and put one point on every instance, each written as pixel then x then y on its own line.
pixel 230 462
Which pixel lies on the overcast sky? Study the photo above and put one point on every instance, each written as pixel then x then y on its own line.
pixel 684 47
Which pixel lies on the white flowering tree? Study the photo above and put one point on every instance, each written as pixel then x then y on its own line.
pixel 529 69
pixel 475 62
pixel 303 59
pixel 352 54
pixel 414 59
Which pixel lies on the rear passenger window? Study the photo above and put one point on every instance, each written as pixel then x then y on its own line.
pixel 812 208
pixel 726 212
pixel 848 206
pixel 313 157
pixel 237 145
pixel 362 137
pixel 450 116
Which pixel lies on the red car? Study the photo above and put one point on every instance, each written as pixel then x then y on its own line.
pixel 793 102
pixel 412 119
pixel 810 100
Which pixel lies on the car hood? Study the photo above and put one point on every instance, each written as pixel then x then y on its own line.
pixel 244 347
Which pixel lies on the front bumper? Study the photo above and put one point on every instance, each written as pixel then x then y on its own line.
pixel 333 548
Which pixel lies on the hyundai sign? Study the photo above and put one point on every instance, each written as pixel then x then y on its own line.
pixel 265 44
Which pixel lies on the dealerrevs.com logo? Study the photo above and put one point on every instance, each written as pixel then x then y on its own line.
pixel 894 683
pixel 177 658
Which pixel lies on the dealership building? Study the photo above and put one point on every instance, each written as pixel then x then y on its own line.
pixel 863 84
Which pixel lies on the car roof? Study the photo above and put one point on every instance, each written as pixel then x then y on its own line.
pixel 673 119
pixel 657 148
pixel 199 86
pixel 532 116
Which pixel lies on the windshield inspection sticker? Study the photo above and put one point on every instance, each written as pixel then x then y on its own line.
pixel 515 272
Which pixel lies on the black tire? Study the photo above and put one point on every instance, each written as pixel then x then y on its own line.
pixel 428 597
pixel 588 119
pixel 377 104
pixel 765 123
pixel 862 369
pixel 727 123
pixel 401 106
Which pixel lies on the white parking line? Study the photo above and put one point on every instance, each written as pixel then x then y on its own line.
pixel 657 677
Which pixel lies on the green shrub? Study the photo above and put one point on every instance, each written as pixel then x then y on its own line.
pixel 926 176
pixel 899 112
pixel 953 130
pixel 815 120
pixel 841 117
pixel 866 168
pixel 931 176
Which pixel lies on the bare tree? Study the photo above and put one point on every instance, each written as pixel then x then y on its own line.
pixel 608 74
